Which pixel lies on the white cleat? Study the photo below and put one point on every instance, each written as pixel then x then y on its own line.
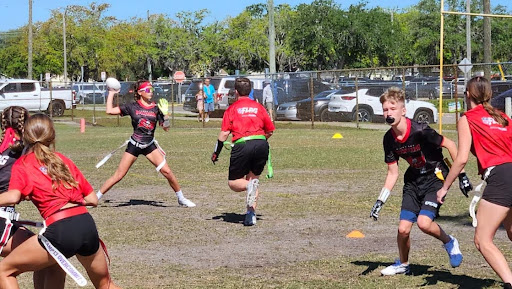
pixel 252 187
pixel 186 203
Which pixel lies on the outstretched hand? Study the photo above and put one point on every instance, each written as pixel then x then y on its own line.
pixel 163 106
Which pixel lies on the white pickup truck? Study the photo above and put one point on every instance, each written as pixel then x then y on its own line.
pixel 30 95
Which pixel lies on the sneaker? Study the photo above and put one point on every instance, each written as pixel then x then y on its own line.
pixel 252 187
pixel 250 218
pixel 507 286
pixel 397 268
pixel 207 119
pixel 186 203
pixel 452 248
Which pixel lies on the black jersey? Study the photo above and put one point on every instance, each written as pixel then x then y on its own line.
pixel 7 159
pixel 421 147
pixel 144 120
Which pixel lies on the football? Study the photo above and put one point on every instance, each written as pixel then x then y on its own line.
pixel 113 83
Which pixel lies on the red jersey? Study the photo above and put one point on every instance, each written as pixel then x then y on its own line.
pixel 30 178
pixel 492 143
pixel 246 117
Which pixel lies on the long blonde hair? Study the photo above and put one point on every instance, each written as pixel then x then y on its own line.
pixel 39 135
pixel 479 89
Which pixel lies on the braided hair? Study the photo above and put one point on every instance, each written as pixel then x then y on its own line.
pixel 479 90
pixel 14 117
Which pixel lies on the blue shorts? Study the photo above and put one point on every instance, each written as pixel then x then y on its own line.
pixel 209 107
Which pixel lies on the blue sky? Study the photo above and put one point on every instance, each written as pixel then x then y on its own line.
pixel 14 13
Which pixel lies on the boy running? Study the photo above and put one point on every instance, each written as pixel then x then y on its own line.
pixel 251 126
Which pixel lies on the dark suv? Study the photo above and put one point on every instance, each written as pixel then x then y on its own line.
pixel 295 89
pixel 320 105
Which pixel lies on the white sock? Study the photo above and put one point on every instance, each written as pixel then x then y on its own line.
pixel 179 194
pixel 99 195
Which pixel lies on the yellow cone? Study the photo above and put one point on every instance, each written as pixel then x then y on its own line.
pixel 337 135
pixel 355 235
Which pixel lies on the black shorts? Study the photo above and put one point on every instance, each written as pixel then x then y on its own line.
pixel 74 235
pixel 420 195
pixel 135 151
pixel 250 156
pixel 499 186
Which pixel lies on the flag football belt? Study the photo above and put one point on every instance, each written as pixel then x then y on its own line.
pixel 8 218
pixel 66 213
pixel 248 138
pixel 54 252
pixel 140 145
pixel 269 160
pixel 478 195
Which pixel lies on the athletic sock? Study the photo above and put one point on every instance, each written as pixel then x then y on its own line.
pixel 99 195
pixel 179 194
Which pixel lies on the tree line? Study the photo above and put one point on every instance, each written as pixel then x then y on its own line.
pixel 316 36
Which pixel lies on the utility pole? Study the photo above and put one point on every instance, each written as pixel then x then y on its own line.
pixel 468 33
pixel 487 39
pixel 29 76
pixel 271 37
pixel 65 54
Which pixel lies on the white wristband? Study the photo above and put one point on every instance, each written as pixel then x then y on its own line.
pixel 384 194
pixel 99 195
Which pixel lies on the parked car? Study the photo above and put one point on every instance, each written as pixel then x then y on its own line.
pixel 88 90
pixel 287 111
pixel 126 93
pixel 296 89
pixel 499 87
pixel 427 87
pixel 343 106
pixel 320 106
pixel 30 95
pixel 498 101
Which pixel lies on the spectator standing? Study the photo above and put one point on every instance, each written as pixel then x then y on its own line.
pixel 209 101
pixel 268 98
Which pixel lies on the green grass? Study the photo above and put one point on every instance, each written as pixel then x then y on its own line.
pixel 322 189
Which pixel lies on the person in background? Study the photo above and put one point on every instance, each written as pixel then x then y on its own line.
pixel 421 147
pixel 487 133
pixel 200 102
pixel 268 98
pixel 251 126
pixel 209 98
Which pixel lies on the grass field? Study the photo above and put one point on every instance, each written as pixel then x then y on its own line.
pixel 322 190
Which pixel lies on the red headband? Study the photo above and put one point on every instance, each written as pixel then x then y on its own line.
pixel 144 85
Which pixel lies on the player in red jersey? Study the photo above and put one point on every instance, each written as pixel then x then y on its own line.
pixel 60 192
pixel 487 133
pixel 145 115
pixel 250 125
pixel 13 122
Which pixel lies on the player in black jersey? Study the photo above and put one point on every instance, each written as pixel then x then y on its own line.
pixel 421 147
pixel 145 116
pixel 12 234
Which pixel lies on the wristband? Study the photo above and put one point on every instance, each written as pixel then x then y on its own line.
pixel 384 194
pixel 218 147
